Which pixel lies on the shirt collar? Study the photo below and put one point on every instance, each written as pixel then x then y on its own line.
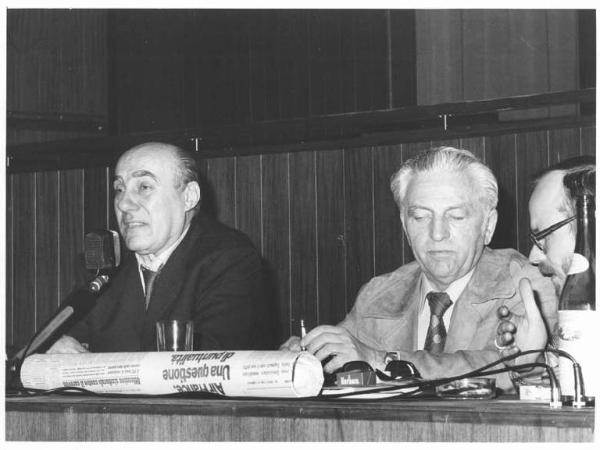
pixel 154 263
pixel 454 290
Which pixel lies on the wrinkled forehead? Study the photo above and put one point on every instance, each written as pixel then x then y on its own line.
pixel 158 162
pixel 443 187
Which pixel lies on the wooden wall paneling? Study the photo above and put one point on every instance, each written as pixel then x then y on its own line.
pixel 501 157
pixel 475 145
pixel 56 60
pixel 290 65
pixel 563 67
pixel 564 143
pixel 446 143
pixel 588 141
pixel 532 156
pixel 403 54
pixel 222 59
pixel 97 198
pixel 24 260
pixel 331 249
pixel 359 218
pixel 325 61
pixel 248 197
pixel 372 60
pixel 220 173
pixel 486 55
pixel 276 239
pixel 303 240
pixel 410 151
pixel 439 56
pixel 387 225
pixel 10 253
pixel 264 103
pixel 529 65
pixel 71 222
pixel 239 63
pixel 349 63
pixel 47 238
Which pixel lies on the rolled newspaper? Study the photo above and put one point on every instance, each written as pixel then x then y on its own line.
pixel 227 373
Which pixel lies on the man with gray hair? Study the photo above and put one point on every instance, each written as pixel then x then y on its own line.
pixel 439 312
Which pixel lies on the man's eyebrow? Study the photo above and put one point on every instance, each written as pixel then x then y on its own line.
pixel 137 174
pixel 143 173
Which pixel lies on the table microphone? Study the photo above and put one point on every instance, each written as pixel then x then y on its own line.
pixel 102 254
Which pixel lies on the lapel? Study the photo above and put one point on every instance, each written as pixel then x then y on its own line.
pixel 173 275
pixel 392 307
pixel 491 281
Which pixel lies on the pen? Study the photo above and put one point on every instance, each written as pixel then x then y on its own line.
pixel 302 333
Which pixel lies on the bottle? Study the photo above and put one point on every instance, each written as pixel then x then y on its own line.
pixel 577 319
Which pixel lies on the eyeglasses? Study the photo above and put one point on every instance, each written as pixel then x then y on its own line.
pixel 536 237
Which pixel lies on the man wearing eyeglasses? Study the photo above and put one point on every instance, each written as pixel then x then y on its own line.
pixel 552 215
pixel 552 219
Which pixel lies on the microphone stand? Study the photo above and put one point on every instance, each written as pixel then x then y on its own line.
pixel 83 297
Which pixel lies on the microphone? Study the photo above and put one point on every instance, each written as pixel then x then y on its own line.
pixel 102 254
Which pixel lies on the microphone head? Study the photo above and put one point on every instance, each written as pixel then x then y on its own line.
pixel 102 250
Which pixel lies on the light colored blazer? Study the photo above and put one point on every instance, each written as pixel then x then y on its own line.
pixel 386 310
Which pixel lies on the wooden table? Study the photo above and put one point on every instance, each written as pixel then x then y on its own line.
pixel 89 418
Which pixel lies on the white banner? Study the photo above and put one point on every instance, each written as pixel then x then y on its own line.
pixel 227 373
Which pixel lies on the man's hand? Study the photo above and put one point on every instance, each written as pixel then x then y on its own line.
pixel 67 344
pixel 292 344
pixel 336 342
pixel 522 332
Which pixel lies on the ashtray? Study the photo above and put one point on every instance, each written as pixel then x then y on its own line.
pixel 468 389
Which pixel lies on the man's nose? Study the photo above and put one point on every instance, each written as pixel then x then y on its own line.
pixel 536 255
pixel 125 202
pixel 439 229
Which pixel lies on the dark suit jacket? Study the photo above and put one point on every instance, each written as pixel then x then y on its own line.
pixel 214 277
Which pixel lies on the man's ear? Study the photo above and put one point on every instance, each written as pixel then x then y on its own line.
pixel 490 226
pixel 191 195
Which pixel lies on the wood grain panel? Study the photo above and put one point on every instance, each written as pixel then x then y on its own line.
pixel 358 218
pixel 372 60
pixel 501 157
pixel 325 63
pixel 562 55
pixel 97 196
pixel 276 238
pixel 291 65
pixel 249 197
pixel 303 241
pixel 46 243
pixel 387 226
pixel 403 54
pixel 10 252
pixel 588 141
pixel 475 145
pixel 563 144
pixel 331 250
pixel 532 156
pixel 71 208
pixel 439 56
pixel 24 227
pixel 56 60
pixel 220 173
pixel 485 53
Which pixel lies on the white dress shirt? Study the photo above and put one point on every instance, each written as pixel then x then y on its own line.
pixel 155 263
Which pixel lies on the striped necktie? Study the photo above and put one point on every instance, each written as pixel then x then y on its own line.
pixel 439 302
